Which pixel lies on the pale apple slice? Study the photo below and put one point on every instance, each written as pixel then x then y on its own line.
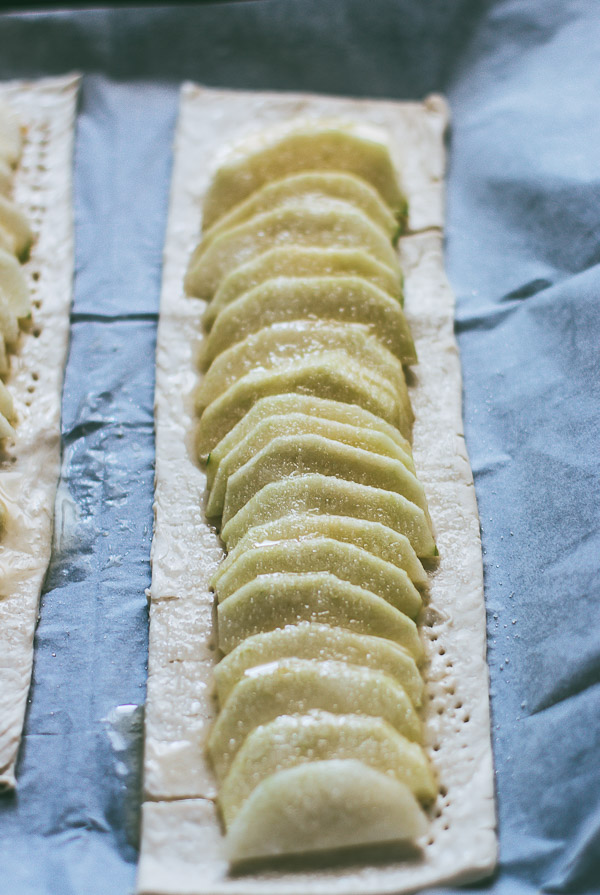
pixel 6 430
pixel 282 344
pixel 6 176
pixel 310 187
pixel 345 561
pixel 295 686
pixel 332 496
pixel 295 261
pixel 298 424
pixel 11 137
pixel 304 454
pixel 377 539
pixel 4 364
pixel 15 224
pixel 331 224
pixel 286 299
pixel 324 408
pixel 7 408
pixel 323 806
pixel 311 640
pixel 14 285
pixel 274 601
pixel 9 325
pixel 322 146
pixel 293 740
pixel 332 375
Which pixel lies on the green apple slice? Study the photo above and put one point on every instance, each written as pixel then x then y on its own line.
pixel 295 261
pixel 274 601
pixel 14 285
pixel 4 364
pixel 286 343
pixel 9 325
pixel 345 561
pixel 295 686
pixel 298 454
pixel 326 146
pixel 7 408
pixel 286 299
pixel 298 424
pixel 337 497
pixel 323 806
pixel 331 224
pixel 310 187
pixel 373 537
pixel 309 640
pixel 6 430
pixel 333 375
pixel 294 740
pixel 6 176
pixel 275 405
pixel 14 222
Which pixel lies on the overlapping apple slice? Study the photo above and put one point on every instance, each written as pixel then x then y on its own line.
pixel 298 261
pixel 293 740
pixel 323 806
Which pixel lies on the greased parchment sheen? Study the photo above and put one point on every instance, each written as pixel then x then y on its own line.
pixel 30 467
pixel 181 851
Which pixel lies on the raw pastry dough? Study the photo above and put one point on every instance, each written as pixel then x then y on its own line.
pixel 182 843
pixel 30 465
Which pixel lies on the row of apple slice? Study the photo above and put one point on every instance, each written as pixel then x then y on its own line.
pixel 15 242
pixel 305 427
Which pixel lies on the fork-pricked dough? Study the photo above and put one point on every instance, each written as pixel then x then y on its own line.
pixel 28 484
pixel 182 842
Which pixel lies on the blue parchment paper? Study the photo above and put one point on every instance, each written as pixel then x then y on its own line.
pixel 523 255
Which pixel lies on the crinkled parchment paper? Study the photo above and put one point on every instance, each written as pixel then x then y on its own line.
pixel 30 466
pixel 181 852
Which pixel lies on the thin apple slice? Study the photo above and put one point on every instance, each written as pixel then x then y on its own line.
pixel 6 430
pixel 14 285
pixel 295 686
pixel 332 496
pixel 6 176
pixel 7 408
pixel 296 261
pixel 298 424
pixel 323 806
pixel 15 223
pixel 322 146
pixel 305 454
pixel 331 224
pixel 333 375
pixel 285 343
pixel 274 601
pixel 345 561
pixel 310 187
pixel 377 539
pixel 286 299
pixel 324 408
pixel 9 325
pixel 294 740
pixel 311 640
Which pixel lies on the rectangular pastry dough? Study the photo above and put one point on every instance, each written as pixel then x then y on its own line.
pixel 30 468
pixel 181 852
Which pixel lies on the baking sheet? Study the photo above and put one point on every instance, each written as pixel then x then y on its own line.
pixel 523 81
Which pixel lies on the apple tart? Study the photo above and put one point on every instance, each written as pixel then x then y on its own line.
pixel 319 711
pixel 36 270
